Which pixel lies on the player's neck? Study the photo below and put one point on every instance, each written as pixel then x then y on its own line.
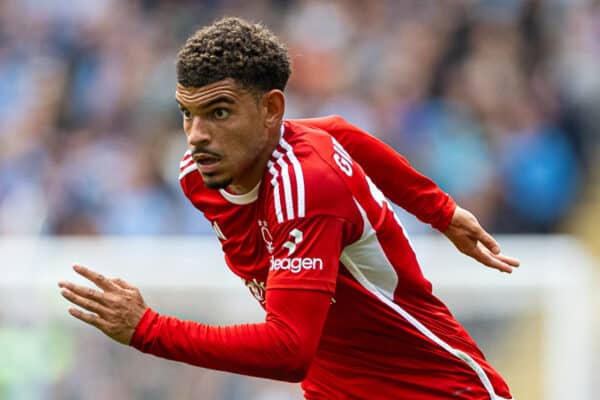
pixel 249 181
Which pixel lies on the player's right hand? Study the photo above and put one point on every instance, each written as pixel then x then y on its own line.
pixel 116 309
pixel 471 239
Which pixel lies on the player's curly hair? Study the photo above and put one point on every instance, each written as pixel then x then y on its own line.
pixel 233 48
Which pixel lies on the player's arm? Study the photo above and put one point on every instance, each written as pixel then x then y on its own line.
pixel 392 173
pixel 420 196
pixel 416 193
pixel 282 347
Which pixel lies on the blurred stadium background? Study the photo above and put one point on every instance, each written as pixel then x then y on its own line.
pixel 496 100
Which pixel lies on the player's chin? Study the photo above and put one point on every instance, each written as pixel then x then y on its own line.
pixel 213 181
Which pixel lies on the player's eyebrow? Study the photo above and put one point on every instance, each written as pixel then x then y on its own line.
pixel 217 100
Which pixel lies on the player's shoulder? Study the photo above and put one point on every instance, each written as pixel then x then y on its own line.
pixel 186 165
pixel 314 149
pixel 304 175
pixel 329 123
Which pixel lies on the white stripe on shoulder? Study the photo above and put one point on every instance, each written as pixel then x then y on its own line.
pixel 275 183
pixel 187 170
pixel 186 162
pixel 298 174
pixel 287 185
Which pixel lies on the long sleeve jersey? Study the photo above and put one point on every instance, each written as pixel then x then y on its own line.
pixel 348 310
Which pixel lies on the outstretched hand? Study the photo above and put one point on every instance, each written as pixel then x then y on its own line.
pixel 116 309
pixel 471 239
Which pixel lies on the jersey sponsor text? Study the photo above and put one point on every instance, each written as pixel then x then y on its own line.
pixel 296 265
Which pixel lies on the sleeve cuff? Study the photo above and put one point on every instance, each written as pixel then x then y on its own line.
pixel 445 215
pixel 140 336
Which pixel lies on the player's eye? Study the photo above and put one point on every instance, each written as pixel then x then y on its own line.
pixel 185 113
pixel 221 113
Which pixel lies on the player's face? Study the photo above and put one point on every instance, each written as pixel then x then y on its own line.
pixel 227 133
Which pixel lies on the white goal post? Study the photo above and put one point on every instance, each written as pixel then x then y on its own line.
pixel 555 270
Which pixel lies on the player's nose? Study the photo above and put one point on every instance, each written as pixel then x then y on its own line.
pixel 198 134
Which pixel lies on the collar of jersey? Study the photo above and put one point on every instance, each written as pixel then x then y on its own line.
pixel 241 199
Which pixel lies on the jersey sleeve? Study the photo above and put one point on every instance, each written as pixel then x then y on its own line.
pixel 282 347
pixel 408 188
pixel 300 283
pixel 307 252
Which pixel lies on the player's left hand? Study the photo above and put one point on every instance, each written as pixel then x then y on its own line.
pixel 471 239
pixel 116 309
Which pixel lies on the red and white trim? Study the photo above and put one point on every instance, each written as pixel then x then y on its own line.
pixel 282 165
pixel 381 282
pixel 186 165
pixel 287 186
pixel 275 183
pixel 299 176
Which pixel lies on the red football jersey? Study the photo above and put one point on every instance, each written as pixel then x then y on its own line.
pixel 316 223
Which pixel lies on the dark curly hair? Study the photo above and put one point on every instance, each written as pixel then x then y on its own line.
pixel 233 48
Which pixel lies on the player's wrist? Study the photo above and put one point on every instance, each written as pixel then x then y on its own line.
pixel 141 335
pixel 447 212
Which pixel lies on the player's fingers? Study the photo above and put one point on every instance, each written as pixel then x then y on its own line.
pixel 513 262
pixel 84 291
pixel 100 280
pixel 483 255
pixel 121 283
pixel 488 240
pixel 91 319
pixel 83 302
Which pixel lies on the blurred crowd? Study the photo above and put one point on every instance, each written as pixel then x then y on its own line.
pixel 496 100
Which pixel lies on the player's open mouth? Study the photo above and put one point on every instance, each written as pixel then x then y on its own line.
pixel 207 163
pixel 206 159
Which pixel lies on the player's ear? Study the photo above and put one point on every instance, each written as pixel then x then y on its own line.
pixel 274 106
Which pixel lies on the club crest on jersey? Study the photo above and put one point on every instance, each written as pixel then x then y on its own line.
pixel 257 289
pixel 266 235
